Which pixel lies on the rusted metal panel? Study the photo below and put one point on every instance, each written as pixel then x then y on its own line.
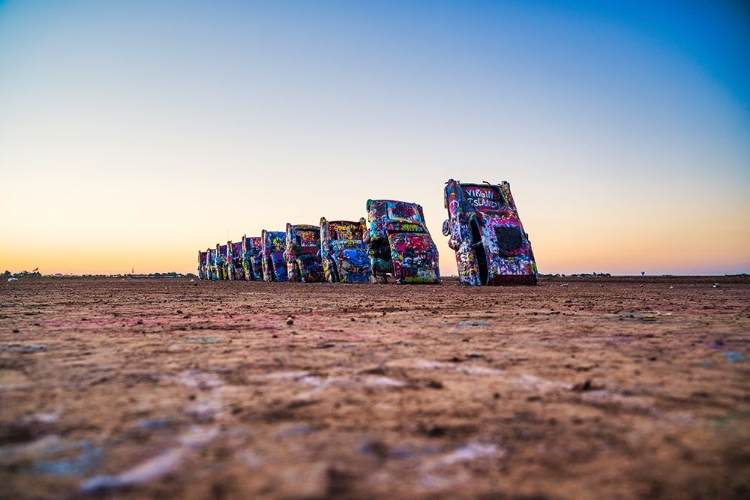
pixel 400 243
pixel 302 253
pixel 486 233
pixel 344 252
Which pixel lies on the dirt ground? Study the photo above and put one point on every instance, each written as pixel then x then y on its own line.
pixel 573 389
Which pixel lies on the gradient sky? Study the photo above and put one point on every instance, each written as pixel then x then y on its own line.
pixel 133 133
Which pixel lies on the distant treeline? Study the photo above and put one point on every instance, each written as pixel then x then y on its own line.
pixel 583 275
pixel 22 274
pixel 37 274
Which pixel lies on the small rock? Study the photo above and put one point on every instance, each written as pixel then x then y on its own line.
pixel 584 386
pixel 436 431
pixel 290 321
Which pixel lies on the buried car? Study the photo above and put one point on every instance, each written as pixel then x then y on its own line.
pixel 212 264
pixel 202 265
pixel 344 252
pixel 221 261
pixel 235 271
pixel 302 253
pixel 400 243
pixel 274 266
pixel 486 233
pixel 252 258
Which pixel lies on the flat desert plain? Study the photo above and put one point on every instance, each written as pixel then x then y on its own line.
pixel 613 388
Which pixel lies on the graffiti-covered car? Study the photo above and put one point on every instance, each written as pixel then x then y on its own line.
pixel 221 261
pixel 302 253
pixel 486 233
pixel 252 258
pixel 400 243
pixel 235 271
pixel 213 264
pixel 344 252
pixel 274 265
pixel 202 265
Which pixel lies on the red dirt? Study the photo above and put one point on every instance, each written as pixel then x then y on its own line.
pixel 168 388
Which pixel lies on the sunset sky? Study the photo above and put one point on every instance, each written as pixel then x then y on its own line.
pixel 134 133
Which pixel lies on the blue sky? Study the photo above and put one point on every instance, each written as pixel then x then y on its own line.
pixel 133 134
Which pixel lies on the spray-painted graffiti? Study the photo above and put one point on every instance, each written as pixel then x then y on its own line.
pixel 302 253
pixel 213 269
pixel 486 233
pixel 203 271
pixel 235 271
pixel 221 262
pixel 274 265
pixel 400 243
pixel 252 258
pixel 344 252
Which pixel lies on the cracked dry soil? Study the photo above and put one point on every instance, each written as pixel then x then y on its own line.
pixel 574 389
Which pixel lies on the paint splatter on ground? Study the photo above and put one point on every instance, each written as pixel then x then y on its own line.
pixel 604 388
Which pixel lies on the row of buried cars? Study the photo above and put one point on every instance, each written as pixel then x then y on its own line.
pixel 483 228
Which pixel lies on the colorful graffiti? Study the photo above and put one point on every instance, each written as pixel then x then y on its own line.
pixel 483 227
pixel 302 253
pixel 252 258
pixel 222 265
pixel 235 270
pixel 343 250
pixel 212 262
pixel 202 265
pixel 400 243
pixel 274 266
pixel 486 233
